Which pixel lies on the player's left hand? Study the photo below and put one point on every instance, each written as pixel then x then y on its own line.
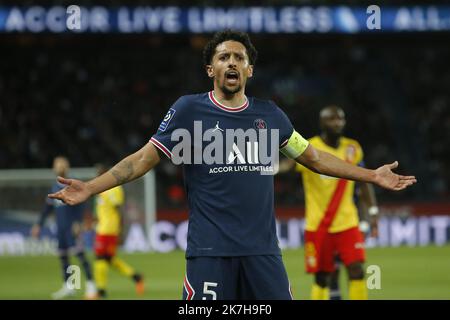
pixel 384 177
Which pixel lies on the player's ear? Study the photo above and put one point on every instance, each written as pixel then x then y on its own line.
pixel 210 70
pixel 250 71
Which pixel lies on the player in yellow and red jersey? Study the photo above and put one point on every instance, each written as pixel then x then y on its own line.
pixel 332 223
pixel 108 204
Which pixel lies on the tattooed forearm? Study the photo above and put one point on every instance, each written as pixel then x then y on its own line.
pixel 123 171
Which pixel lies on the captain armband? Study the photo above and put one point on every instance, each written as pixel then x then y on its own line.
pixel 295 146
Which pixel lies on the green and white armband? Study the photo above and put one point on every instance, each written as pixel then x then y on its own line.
pixel 295 146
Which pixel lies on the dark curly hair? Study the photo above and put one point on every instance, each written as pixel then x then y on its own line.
pixel 226 35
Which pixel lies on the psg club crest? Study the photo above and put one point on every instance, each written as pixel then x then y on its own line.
pixel 260 124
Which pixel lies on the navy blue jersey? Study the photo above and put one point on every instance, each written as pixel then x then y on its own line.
pixel 65 215
pixel 231 203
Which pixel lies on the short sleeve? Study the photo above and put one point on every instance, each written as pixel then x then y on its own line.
pixel 175 118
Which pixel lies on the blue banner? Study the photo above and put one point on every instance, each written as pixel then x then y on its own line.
pixel 269 20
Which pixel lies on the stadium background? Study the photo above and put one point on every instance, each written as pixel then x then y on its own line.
pixel 96 97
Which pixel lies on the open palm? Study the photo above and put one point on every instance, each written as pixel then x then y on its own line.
pixel 75 192
pixel 389 180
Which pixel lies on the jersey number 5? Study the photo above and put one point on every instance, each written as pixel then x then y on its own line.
pixel 207 290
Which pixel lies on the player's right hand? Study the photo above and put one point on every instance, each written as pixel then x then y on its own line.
pixel 75 192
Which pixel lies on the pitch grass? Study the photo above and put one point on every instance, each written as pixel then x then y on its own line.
pixel 406 273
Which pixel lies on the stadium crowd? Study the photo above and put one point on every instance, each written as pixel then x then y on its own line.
pixel 98 98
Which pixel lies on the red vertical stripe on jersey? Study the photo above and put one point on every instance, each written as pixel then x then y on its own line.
pixel 188 288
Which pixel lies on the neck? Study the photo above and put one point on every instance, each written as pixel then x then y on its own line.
pixel 231 100
pixel 331 140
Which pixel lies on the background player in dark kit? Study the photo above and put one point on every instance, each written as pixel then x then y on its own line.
pixel 69 220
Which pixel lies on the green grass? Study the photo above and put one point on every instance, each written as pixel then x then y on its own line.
pixel 406 273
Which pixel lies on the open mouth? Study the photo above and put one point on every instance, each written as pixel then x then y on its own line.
pixel 232 77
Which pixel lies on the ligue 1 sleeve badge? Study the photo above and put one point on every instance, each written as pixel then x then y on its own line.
pixel 260 124
pixel 166 120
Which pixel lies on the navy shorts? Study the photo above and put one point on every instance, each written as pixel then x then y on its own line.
pixel 236 278
pixel 68 240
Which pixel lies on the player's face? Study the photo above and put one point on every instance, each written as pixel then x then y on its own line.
pixel 60 166
pixel 230 67
pixel 333 121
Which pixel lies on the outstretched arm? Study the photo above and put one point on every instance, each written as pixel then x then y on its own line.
pixel 325 163
pixel 128 169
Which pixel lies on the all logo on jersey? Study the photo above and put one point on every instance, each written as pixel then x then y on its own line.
pixel 251 155
pixel 166 120
pixel 260 124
